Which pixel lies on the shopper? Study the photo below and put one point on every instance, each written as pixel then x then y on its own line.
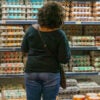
pixel 42 70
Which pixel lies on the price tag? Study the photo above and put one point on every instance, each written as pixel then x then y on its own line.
pixel 98 48
pixel 3 21
pixel 78 22
pixel 13 49
pixel 99 73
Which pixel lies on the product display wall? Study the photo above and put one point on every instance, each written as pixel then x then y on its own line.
pixel 82 28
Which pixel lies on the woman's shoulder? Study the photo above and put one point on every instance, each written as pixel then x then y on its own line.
pixel 31 28
pixel 61 32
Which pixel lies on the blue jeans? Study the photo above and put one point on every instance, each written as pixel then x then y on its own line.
pixel 42 84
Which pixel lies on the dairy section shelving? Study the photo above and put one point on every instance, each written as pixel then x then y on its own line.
pixel 82 26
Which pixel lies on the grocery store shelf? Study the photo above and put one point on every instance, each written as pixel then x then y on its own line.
pixel 35 21
pixel 85 47
pixel 66 73
pixel 66 99
pixel 81 73
pixel 11 75
pixel 20 21
pixel 72 48
pixel 10 49
pixel 82 23
pixel 0 22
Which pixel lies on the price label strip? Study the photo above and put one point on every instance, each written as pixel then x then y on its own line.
pixel 98 48
pixel 3 22
pixel 78 22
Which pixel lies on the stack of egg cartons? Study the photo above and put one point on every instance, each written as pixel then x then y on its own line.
pixel 95 58
pixel 13 9
pixel 66 8
pixel 32 7
pixel 70 90
pixel 11 35
pixel 81 63
pixel 13 92
pixel 83 40
pixel 93 30
pixel 11 63
pixel 88 87
pixel 0 10
pixel 97 40
pixel 0 96
pixel 71 30
pixel 81 11
pixel 96 10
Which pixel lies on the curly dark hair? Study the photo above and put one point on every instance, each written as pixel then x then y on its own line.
pixel 51 15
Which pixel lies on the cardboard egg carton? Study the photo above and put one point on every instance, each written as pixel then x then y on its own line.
pixel 83 69
pixel 80 58
pixel 14 94
pixel 34 2
pixel 71 82
pixel 80 63
pixel 81 9
pixel 13 16
pixel 80 14
pixel 79 18
pixel 88 87
pixel 9 27
pixel 95 53
pixel 12 2
pixel 12 34
pixel 81 4
pixel 32 10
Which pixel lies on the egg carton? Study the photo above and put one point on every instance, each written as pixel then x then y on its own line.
pixel 74 43
pixel 6 71
pixel 13 54
pixel 34 2
pixel 83 69
pixel 15 33
pixel 56 0
pixel 83 64
pixel 81 18
pixel 18 44
pixel 81 9
pixel 32 10
pixel 95 54
pixel 13 16
pixel 80 58
pixel 86 87
pixel 71 82
pixel 3 65
pixel 97 69
pixel 8 27
pixel 16 94
pixel 13 9
pixel 12 2
pixel 31 16
pixel 81 4
pixel 68 90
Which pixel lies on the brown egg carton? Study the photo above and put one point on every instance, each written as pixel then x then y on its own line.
pixel 81 9
pixel 81 4
pixel 95 53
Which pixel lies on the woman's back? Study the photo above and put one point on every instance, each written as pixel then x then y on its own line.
pixel 39 60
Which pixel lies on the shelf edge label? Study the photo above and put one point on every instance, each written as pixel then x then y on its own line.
pixel 78 22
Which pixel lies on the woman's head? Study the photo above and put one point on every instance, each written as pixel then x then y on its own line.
pixel 51 15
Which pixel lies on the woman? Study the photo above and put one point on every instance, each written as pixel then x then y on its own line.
pixel 42 70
